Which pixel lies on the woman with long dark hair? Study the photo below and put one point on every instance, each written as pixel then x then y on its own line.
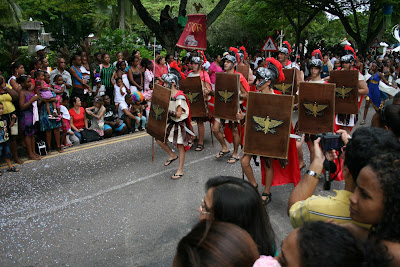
pixel 233 200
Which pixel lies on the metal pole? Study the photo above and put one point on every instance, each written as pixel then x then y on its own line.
pixel 154 61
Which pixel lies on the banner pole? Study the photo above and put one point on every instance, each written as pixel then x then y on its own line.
pixel 154 60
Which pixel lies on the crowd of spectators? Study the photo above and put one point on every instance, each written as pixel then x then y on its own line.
pixel 96 98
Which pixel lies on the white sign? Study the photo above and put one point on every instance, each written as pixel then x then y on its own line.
pixel 269 45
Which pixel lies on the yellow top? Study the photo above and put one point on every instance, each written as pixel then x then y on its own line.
pixel 320 208
pixel 6 100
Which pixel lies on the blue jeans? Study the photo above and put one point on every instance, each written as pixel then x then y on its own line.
pixel 142 122
pixel 78 134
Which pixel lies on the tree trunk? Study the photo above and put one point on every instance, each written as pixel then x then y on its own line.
pixel 122 14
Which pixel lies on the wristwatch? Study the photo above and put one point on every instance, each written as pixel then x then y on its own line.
pixel 313 174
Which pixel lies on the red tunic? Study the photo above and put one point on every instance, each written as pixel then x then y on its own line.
pixel 227 130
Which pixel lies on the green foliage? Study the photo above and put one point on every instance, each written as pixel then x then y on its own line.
pixel 69 22
pixel 9 54
pixel 113 41
pixel 10 13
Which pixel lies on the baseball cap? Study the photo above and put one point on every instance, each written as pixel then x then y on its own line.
pixel 39 47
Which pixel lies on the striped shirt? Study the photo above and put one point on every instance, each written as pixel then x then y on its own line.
pixel 106 75
pixel 320 208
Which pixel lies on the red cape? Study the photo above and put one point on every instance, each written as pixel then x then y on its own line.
pixel 291 174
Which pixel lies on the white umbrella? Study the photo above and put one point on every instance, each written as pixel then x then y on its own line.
pixel 397 49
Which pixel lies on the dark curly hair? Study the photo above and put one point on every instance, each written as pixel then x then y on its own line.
pixel 331 245
pixel 392 118
pixel 366 143
pixel 387 170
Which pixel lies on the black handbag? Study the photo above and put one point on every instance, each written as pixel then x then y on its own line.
pixel 89 136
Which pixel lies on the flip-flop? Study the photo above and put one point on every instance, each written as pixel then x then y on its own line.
pixel 13 169
pixel 221 154
pixel 233 158
pixel 176 176
pixel 168 162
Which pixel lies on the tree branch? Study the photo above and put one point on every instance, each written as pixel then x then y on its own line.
pixel 214 14
pixel 310 18
pixel 355 16
pixel 153 25
pixel 291 21
pixel 182 7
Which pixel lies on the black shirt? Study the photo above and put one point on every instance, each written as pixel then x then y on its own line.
pixel 110 114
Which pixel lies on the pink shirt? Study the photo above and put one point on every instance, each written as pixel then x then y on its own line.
pixel 148 77
pixel 213 69
pixel 160 70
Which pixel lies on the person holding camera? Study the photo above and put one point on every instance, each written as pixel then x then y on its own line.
pixel 366 143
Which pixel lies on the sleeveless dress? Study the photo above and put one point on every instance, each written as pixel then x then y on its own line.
pixel 98 124
pixel 45 123
pixel 374 92
pixel 27 125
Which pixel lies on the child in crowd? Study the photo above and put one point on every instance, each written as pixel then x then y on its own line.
pixel 147 97
pixel 123 74
pixel 29 114
pixel 119 92
pixel 137 111
pixel 44 89
pixel 59 88
pixel 99 89
pixel 68 138
pixel 97 112
pixel 5 150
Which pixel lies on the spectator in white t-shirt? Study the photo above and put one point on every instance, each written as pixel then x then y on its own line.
pixel 124 113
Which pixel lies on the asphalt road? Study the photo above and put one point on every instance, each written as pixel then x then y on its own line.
pixel 107 204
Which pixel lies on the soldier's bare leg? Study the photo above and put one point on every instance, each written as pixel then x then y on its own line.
pixel 269 175
pixel 220 137
pixel 166 148
pixel 248 171
pixel 236 142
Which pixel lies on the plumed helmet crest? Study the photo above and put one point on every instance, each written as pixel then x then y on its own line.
pixel 316 54
pixel 236 51
pixel 348 50
pixel 174 68
pixel 272 61
pixel 273 71
pixel 242 53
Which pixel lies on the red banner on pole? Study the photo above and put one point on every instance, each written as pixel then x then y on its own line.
pixel 194 36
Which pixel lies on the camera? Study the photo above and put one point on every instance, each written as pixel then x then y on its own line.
pixel 330 141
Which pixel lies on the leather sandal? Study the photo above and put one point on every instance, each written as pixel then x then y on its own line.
pixel 199 147
pixel 268 199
